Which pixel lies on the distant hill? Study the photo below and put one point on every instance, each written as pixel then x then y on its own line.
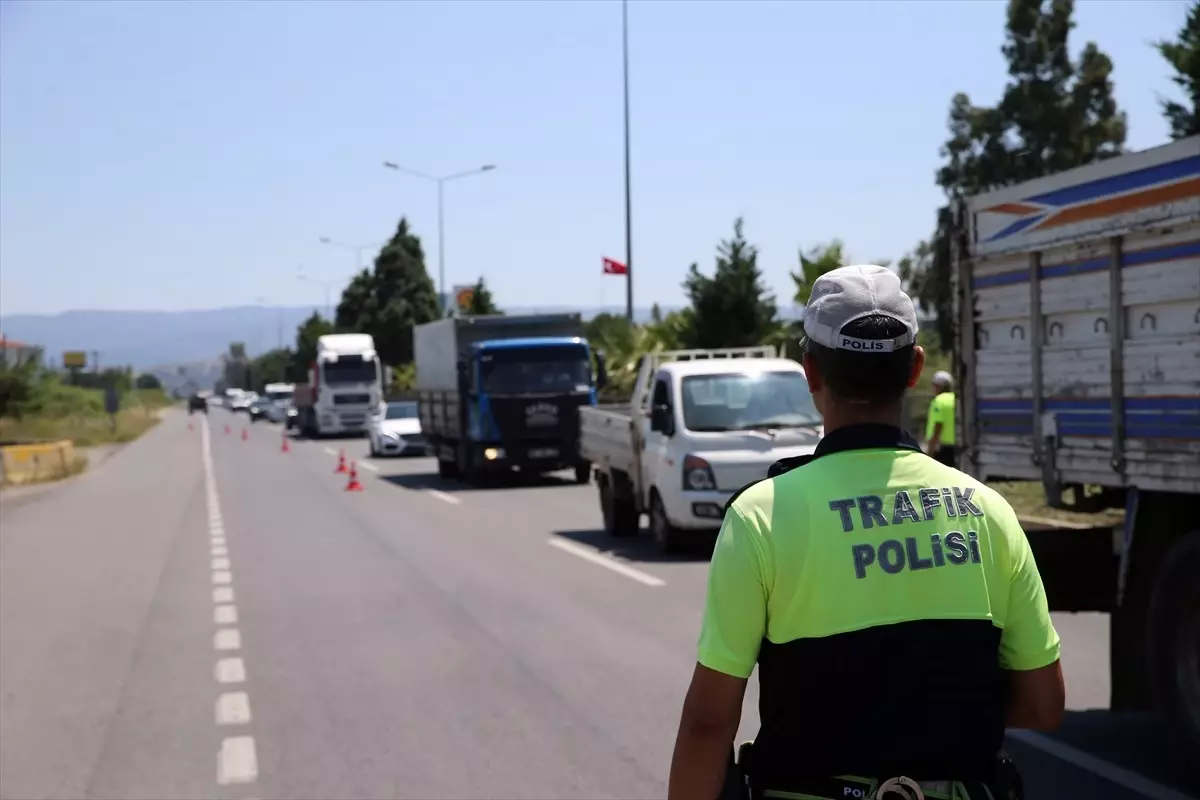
pixel 162 341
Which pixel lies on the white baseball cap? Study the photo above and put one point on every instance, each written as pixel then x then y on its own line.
pixel 847 294
pixel 942 378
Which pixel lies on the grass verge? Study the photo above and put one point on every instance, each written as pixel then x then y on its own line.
pixel 1028 499
pixel 85 430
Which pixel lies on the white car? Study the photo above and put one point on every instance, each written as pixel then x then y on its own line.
pixel 395 429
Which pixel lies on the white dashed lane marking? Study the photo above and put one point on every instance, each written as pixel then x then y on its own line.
pixel 440 495
pixel 592 556
pixel 233 708
pixel 230 670
pixel 237 760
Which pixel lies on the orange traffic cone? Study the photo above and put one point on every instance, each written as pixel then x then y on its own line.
pixel 341 465
pixel 353 485
pixel 285 447
pixel 245 434
pixel 227 430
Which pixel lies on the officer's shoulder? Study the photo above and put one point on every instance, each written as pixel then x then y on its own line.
pixel 780 467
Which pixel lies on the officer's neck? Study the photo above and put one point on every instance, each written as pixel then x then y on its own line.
pixel 844 415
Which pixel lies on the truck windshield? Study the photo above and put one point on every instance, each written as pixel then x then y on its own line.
pixel 535 370
pixel 279 397
pixel 748 402
pixel 349 370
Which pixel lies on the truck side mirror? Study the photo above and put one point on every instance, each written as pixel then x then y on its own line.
pixel 660 419
pixel 601 371
pixel 464 384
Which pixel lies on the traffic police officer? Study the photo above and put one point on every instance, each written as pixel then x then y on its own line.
pixel 891 603
pixel 940 431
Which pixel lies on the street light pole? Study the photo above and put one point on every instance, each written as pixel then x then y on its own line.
pixel 325 284
pixel 357 249
pixel 628 206
pixel 442 298
pixel 441 181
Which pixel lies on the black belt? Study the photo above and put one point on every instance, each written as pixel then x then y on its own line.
pixel 1006 785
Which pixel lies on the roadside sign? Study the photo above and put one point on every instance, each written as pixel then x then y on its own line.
pixel 75 359
pixel 463 296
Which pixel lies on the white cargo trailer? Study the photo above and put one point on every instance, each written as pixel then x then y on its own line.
pixel 1078 335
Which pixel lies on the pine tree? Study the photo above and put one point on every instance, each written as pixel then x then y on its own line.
pixel 1055 114
pixel 732 308
pixel 1183 55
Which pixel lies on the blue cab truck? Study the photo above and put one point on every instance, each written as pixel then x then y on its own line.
pixel 497 393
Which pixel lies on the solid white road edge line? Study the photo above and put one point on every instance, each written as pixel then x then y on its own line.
pixel 237 760
pixel 1098 766
pixel 440 495
pixel 588 554
pixel 331 451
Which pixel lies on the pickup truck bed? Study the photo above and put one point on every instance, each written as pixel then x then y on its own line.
pixel 605 436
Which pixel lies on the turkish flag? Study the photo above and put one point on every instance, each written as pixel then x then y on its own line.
pixel 612 267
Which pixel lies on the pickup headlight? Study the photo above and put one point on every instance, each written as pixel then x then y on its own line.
pixel 698 475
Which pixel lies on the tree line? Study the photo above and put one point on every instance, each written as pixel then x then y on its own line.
pixel 1055 113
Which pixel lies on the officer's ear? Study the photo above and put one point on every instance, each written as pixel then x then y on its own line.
pixel 812 374
pixel 918 364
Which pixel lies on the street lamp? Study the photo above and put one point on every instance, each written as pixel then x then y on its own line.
pixel 262 301
pixel 440 181
pixel 628 211
pixel 357 249
pixel 324 284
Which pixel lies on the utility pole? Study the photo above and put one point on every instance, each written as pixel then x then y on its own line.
pixel 628 208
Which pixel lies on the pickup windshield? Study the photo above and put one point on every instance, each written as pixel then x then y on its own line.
pixel 349 369
pixel 280 397
pixel 733 402
pixel 535 370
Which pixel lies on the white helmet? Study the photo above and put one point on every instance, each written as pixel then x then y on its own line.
pixel 942 378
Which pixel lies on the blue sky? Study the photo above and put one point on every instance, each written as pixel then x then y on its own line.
pixel 172 155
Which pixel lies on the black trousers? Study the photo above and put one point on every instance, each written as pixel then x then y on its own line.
pixel 947 455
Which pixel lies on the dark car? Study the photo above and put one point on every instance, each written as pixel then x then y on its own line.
pixel 258 409
pixel 197 403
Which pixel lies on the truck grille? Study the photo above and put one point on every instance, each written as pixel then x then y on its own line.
pixel 351 399
pixel 522 418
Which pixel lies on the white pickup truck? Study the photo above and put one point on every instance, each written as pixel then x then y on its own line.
pixel 701 425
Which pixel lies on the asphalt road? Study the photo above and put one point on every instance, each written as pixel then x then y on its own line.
pixel 193 621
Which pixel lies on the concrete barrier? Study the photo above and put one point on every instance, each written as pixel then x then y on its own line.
pixel 29 463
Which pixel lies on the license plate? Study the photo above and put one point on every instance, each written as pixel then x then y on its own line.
pixel 543 452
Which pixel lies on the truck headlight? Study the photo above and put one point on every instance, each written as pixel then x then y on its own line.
pixel 698 475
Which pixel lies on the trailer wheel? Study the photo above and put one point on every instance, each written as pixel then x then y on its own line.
pixel 583 473
pixel 1174 641
pixel 620 515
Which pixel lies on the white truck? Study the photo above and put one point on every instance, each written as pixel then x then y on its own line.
pixel 345 386
pixel 701 425
pixel 1078 340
